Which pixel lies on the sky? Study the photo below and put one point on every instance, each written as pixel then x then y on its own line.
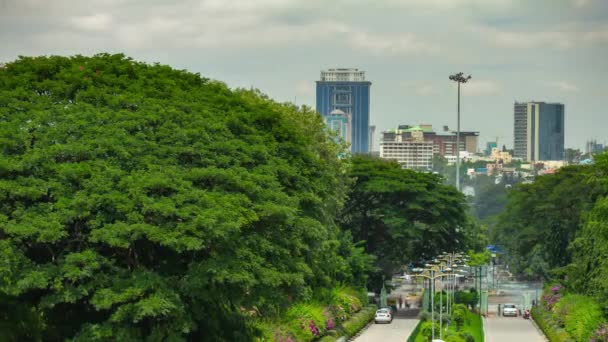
pixel 515 50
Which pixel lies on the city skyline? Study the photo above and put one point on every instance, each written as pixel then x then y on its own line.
pixel 516 50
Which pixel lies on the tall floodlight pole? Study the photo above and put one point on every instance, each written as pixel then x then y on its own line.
pixel 459 78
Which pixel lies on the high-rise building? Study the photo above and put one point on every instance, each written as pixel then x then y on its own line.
pixel 348 91
pixel 408 148
pixel 538 131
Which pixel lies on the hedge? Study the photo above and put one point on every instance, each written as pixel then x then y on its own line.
pixel 359 320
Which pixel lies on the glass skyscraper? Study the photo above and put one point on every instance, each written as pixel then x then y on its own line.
pixel 538 131
pixel 348 91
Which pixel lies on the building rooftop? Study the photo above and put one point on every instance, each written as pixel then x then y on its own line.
pixel 343 75
pixel 539 102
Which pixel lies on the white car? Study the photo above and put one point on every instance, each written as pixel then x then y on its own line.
pixel 509 310
pixel 383 316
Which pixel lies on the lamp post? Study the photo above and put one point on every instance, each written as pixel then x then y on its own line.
pixel 431 269
pixel 459 78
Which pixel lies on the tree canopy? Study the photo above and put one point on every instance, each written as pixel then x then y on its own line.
pixel 542 218
pixel 142 202
pixel 588 271
pixel 402 215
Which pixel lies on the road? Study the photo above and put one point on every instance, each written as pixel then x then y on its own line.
pixel 403 324
pixel 398 331
pixel 509 329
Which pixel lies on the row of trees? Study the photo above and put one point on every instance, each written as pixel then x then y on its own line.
pixel 141 202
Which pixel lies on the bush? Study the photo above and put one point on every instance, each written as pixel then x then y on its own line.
pixel 346 300
pixel 327 339
pixel 580 315
pixel 359 320
pixel 467 336
pixel 426 329
pixel 306 321
pixel 543 320
pixel 459 317
pixel 455 338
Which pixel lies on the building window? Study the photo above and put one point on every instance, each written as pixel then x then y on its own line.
pixel 341 99
pixel 342 89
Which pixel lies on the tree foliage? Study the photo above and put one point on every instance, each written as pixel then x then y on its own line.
pixel 541 219
pixel 588 272
pixel 402 215
pixel 138 202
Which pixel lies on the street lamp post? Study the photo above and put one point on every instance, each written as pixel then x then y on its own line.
pixel 431 279
pixel 459 78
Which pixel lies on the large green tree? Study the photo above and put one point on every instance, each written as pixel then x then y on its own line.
pixel 141 202
pixel 402 215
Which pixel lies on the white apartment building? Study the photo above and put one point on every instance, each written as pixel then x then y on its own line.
pixel 411 153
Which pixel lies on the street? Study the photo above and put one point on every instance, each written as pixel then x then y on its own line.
pixel 503 329
pixel 404 322
pixel 399 330
pixel 509 329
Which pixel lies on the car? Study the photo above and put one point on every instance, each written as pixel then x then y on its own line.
pixel 383 316
pixel 509 310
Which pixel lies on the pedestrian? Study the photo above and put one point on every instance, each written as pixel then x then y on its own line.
pixel 400 301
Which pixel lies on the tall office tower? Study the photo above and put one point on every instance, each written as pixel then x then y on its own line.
pixel 348 91
pixel 538 131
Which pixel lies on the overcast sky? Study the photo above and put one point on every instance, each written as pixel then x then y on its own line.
pixel 543 50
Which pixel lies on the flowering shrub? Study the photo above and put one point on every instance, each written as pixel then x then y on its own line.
pixel 306 321
pixel 330 314
pixel 550 299
pixel 330 324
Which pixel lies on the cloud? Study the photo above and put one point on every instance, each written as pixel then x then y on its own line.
pixel 581 3
pixel 563 38
pixel 392 44
pixel 95 22
pixel 450 4
pixel 304 88
pixel 481 88
pixel 563 86
pixel 420 88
